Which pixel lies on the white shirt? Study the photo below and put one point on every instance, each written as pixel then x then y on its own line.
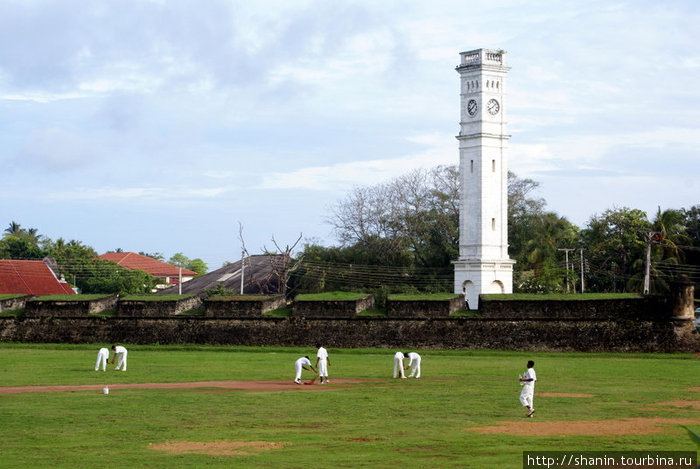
pixel 322 354
pixel 398 356
pixel 530 374
pixel 413 356
pixel 302 361
pixel 103 351
pixel 119 349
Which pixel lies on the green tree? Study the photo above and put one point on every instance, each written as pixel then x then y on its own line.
pixel 15 229
pixel 20 247
pixel 692 230
pixel 537 261
pixel 179 259
pixel 100 276
pixel 197 265
pixel 21 243
pixel 615 243
pixel 81 265
pixel 667 233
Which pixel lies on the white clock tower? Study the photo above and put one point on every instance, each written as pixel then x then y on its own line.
pixel 483 265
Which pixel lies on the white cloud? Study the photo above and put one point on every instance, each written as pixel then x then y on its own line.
pixel 341 176
pixel 43 96
pixel 161 194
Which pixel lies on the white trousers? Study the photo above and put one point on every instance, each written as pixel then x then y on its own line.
pixel 298 367
pixel 527 395
pixel 102 357
pixel 415 368
pixel 323 368
pixel 121 360
pixel 398 365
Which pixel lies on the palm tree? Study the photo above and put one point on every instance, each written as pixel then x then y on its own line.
pixel 549 232
pixel 669 226
pixel 667 233
pixel 14 229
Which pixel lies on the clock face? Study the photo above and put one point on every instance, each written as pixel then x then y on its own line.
pixel 493 107
pixel 472 107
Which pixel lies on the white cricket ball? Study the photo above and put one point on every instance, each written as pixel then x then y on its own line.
pixel 105 390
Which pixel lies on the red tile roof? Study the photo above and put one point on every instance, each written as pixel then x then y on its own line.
pixel 30 277
pixel 133 261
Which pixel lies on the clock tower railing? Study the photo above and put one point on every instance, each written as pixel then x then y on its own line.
pixel 482 57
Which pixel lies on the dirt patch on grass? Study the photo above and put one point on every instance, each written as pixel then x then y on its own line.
pixel 212 386
pixel 562 394
pixel 695 405
pixel 630 426
pixel 218 448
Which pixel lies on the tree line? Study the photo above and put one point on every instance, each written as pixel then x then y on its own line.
pixel 81 266
pixel 403 234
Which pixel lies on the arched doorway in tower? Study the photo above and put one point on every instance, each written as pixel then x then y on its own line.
pixel 469 291
pixel 496 287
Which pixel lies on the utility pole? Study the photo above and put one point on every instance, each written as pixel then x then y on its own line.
pixel 582 287
pixel 566 253
pixel 652 236
pixel 242 270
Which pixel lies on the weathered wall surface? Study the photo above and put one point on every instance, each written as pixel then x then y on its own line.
pixel 56 308
pixel 636 325
pixel 449 333
pixel 423 309
pixel 13 303
pixel 648 309
pixel 332 308
pixel 221 308
pixel 141 309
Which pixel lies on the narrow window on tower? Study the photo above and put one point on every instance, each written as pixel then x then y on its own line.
pixel 493 166
pixel 472 166
pixel 493 224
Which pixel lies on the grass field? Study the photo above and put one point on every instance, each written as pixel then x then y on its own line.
pixel 381 423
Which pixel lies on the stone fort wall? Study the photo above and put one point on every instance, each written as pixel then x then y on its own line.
pixel 650 324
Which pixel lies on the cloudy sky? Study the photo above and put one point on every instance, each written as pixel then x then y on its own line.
pixel 157 126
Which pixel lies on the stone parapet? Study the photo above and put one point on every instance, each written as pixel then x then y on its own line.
pixel 14 303
pixel 332 308
pixel 397 308
pixel 444 333
pixel 69 307
pixel 155 309
pixel 242 306
pixel 642 309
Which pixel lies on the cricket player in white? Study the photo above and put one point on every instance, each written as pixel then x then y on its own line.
pixel 102 357
pixel 120 352
pixel 414 363
pixel 528 392
pixel 322 364
pixel 301 364
pixel 398 364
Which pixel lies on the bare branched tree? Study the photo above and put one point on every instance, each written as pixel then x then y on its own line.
pixel 406 214
pixel 282 264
